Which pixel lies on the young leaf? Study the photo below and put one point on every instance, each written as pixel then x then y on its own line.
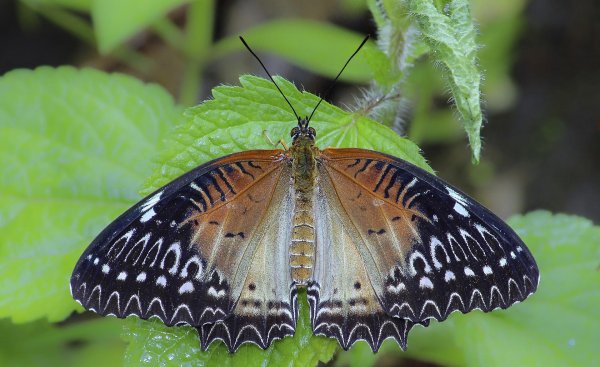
pixel 451 36
pixel 117 20
pixel 75 146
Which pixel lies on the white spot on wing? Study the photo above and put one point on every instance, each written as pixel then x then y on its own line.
pixel 512 254
pixel 456 196
pixel 487 270
pixel 396 289
pixel 425 282
pixel 461 210
pixel 105 268
pixel 151 202
pixel 184 270
pixel 147 216
pixel 141 277
pixel 122 276
pixel 217 294
pixel 411 183
pixel 449 276
pixel 96 261
pixel 175 248
pixel 187 287
pixel 162 281
pixel 503 262
pixel 432 246
pixel 412 259
pixel 469 272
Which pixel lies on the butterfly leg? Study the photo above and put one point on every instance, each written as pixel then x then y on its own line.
pixel 281 141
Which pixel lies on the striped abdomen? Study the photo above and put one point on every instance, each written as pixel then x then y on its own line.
pixel 302 248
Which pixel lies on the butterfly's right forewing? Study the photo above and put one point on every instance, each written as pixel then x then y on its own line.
pixel 397 242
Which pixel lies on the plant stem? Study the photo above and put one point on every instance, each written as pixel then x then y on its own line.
pixel 197 43
pixel 170 33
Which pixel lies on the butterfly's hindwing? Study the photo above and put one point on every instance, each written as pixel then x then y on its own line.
pixel 342 299
pixel 184 253
pixel 442 250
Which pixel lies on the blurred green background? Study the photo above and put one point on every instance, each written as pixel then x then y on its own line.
pixel 541 93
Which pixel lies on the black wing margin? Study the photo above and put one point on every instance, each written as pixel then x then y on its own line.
pixel 468 258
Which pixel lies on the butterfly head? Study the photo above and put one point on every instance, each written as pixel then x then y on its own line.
pixel 303 132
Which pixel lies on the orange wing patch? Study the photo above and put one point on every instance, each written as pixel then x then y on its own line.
pixel 376 203
pixel 230 212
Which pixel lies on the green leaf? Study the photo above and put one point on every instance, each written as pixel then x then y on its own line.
pixel 558 326
pixel 75 146
pixel 89 343
pixel 241 118
pixel 236 120
pixel 153 343
pixel 319 47
pixel 450 34
pixel 117 20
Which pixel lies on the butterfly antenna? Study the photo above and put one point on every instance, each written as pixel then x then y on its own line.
pixel 267 71
pixel 336 78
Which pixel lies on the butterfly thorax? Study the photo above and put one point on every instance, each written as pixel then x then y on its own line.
pixel 304 170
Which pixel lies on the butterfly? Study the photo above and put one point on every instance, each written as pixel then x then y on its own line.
pixel 378 244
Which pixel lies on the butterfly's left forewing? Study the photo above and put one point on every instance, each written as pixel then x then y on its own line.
pixel 427 249
pixel 194 252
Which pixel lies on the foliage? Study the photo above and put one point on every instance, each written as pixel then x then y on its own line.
pixel 75 146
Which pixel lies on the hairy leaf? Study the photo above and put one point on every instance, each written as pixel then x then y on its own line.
pixel 450 33
pixel 246 117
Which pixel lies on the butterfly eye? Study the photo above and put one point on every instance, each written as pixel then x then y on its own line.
pixel 312 131
pixel 294 132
